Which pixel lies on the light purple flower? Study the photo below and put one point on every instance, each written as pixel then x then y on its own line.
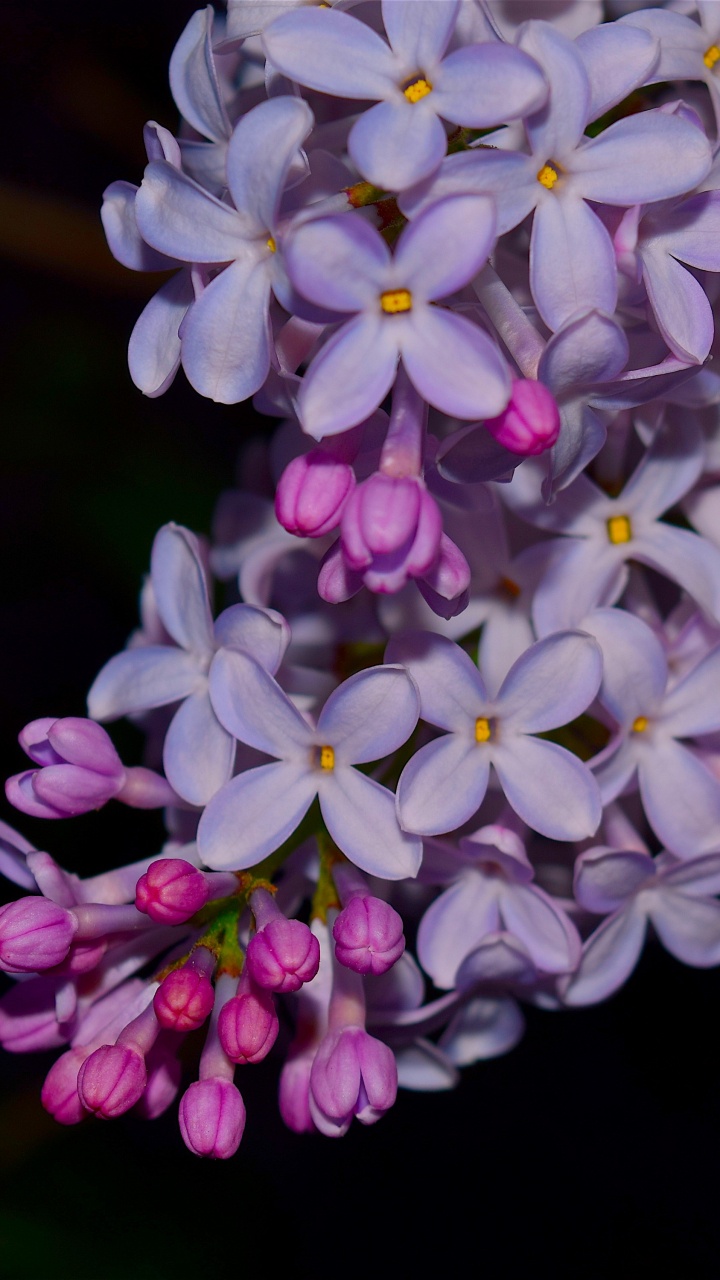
pixel 342 263
pixel 366 718
pixel 402 140
pixel 444 784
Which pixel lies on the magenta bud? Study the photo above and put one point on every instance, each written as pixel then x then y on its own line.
pixel 112 1080
pixel 368 935
pixel 212 1118
pixel 248 1026
pixel 391 530
pixel 59 1093
pixel 171 891
pixel 352 1074
pixel 35 934
pixel 530 423
pixel 283 955
pixel 312 492
pixel 80 769
pixel 183 1000
pixel 294 1095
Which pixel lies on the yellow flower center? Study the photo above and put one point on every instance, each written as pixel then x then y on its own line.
pixel 417 89
pixel 711 56
pixel 271 244
pixel 547 176
pixel 482 729
pixel 619 529
pixel 393 301
pixel 326 758
pixel 640 724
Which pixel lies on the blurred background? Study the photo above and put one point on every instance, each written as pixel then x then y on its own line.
pixel 594 1146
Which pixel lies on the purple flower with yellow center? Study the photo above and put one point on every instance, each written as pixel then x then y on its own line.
pixel 402 139
pixel 366 718
pixel 343 264
pixel 445 782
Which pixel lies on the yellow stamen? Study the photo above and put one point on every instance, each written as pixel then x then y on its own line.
pixel 327 758
pixel 482 729
pixel 640 724
pixel 547 176
pixel 271 244
pixel 418 89
pixel 394 301
pixel 510 588
pixel 711 56
pixel 619 529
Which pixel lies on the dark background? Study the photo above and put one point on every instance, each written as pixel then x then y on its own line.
pixel 593 1148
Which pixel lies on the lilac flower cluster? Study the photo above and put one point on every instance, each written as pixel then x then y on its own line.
pixel 470 688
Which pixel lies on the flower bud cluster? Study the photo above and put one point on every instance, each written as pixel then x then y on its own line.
pixel 469 686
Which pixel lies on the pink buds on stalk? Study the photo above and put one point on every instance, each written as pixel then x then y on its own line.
pixel 368 935
pixel 531 422
pixel 35 934
pixel 112 1080
pixel 248 1026
pixel 171 891
pixel 353 1074
pixel 80 770
pixel 312 493
pixel 59 1094
pixel 212 1118
pixel 390 531
pixel 186 996
pixel 283 954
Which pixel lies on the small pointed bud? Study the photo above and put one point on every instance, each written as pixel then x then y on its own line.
pixel 59 1093
pixel 212 1118
pixel 112 1080
pixel 171 891
pixel 312 493
pixel 248 1026
pixel 530 423
pixel 80 769
pixel 352 1074
pixel 184 999
pixel 35 934
pixel 391 530
pixel 368 935
pixel 283 955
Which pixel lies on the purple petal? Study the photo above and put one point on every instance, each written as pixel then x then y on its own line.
pixel 681 798
pixel 225 339
pixel 572 262
pixel 482 85
pixel 646 157
pixel 688 927
pixel 397 144
pixel 121 230
pixel 154 348
pixel 198 755
pixel 635 668
pixel 558 127
pixel 424 1067
pixel 254 709
pixel 482 1029
pixel 506 176
pixel 548 788
pixel 180 218
pixel 451 689
pixel 617 59
pixel 668 470
pixel 443 785
pixel 419 31
pixel 361 358
pixel 696 875
pixel 193 79
pixel 692 706
pixel 252 815
pixel 609 957
pixel 455 924
pixel 687 559
pixel 338 262
pixel 139 679
pixel 260 153
pixel 370 715
pixel 691 230
pixel 606 878
pixel 588 574
pixel 180 589
pixel 589 348
pixel 454 364
pixel 263 632
pixel 360 816
pixel 551 940
pixel 680 306
pixel 552 683
pixel 332 52
pixel 465 226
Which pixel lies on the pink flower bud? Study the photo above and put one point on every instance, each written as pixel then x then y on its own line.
pixel 184 999
pixel 312 492
pixel 391 531
pixel 248 1026
pixel 35 934
pixel 171 891
pixel 352 1074
pixel 368 935
pixel 294 1098
pixel 80 771
pixel 531 422
pixel 112 1080
pixel 59 1093
pixel 163 1083
pixel 212 1118
pixel 283 955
